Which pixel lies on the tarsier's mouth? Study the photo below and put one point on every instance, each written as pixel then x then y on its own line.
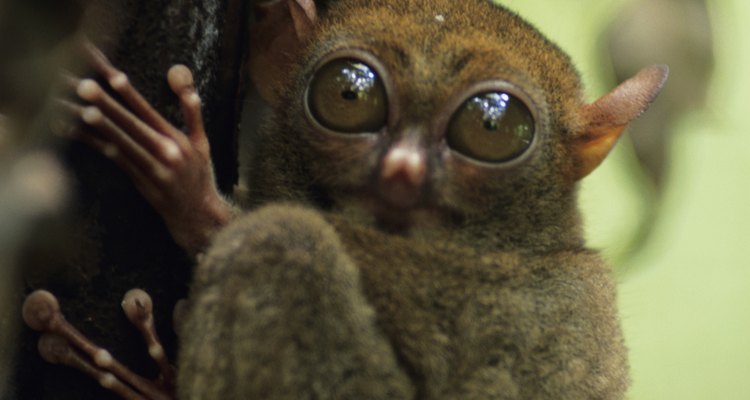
pixel 399 194
pixel 408 213
pixel 394 218
pixel 372 208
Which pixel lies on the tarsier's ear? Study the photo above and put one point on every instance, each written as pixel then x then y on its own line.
pixel 606 118
pixel 276 39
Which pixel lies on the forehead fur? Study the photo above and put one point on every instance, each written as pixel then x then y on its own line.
pixel 444 31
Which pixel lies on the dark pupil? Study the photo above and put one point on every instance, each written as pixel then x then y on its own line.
pixel 349 95
pixel 490 125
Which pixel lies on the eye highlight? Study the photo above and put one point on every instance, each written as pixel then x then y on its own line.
pixel 491 127
pixel 347 95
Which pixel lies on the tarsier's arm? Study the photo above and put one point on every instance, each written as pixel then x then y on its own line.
pixel 172 169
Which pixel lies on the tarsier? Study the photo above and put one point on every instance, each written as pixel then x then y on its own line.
pixel 412 230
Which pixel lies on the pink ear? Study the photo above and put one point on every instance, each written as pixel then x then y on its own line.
pixel 606 118
pixel 304 14
pixel 276 39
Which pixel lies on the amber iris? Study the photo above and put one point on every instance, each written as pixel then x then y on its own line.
pixel 348 96
pixel 491 127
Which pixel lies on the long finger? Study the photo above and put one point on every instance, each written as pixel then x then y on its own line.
pixel 120 82
pixel 41 311
pixel 181 82
pixel 161 147
pixel 56 350
pixel 139 308
pixel 145 184
pixel 147 172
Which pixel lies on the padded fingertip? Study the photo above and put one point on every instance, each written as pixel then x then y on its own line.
pixel 39 309
pixel 91 115
pixel 137 305
pixel 103 358
pixel 53 348
pixel 119 81
pixel 193 99
pixel 180 78
pixel 108 381
pixel 88 89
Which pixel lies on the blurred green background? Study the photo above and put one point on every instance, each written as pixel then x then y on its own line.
pixel 685 297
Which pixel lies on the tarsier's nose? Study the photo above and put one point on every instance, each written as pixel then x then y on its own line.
pixel 402 175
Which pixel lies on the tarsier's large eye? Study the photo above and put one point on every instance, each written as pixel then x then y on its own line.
pixel 347 96
pixel 491 127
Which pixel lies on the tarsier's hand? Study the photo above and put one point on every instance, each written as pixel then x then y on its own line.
pixel 61 343
pixel 171 169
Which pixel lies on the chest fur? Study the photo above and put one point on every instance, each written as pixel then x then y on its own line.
pixel 453 314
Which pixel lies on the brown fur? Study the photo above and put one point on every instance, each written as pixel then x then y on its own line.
pixel 498 46
pixel 488 294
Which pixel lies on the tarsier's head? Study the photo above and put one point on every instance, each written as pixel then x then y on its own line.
pixel 419 115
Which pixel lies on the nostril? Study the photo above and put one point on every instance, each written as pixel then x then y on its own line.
pixel 402 176
pixel 407 162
